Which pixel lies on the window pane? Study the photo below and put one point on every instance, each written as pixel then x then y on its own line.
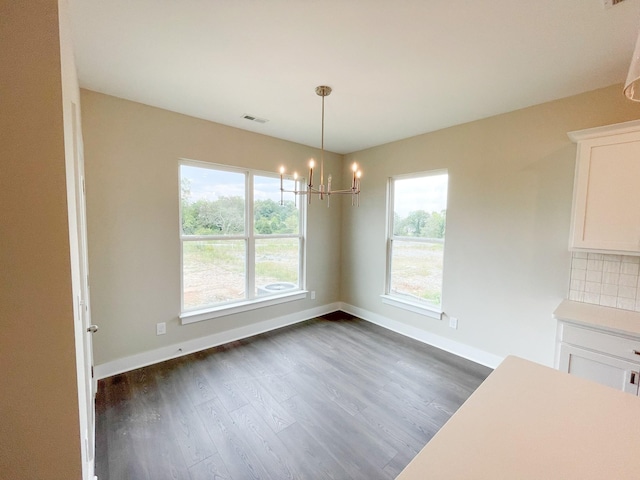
pixel 213 272
pixel 269 216
pixel 420 206
pixel 276 265
pixel 416 270
pixel 419 210
pixel 212 201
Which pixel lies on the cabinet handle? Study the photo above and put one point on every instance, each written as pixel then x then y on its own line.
pixel 634 377
pixel 636 352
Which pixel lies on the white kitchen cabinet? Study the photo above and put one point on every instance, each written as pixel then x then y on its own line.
pixel 600 344
pixel 601 368
pixel 606 197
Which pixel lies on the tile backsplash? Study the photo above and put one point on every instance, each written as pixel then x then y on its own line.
pixel 603 279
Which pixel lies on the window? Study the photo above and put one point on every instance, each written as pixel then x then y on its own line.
pixel 417 211
pixel 240 246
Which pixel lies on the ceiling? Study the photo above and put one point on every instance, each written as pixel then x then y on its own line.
pixel 398 68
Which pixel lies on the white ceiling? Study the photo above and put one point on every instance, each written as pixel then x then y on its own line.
pixel 398 68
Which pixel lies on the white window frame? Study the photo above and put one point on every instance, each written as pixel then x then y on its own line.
pixel 251 300
pixel 388 297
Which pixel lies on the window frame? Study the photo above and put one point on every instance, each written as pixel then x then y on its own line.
pixel 251 301
pixel 416 306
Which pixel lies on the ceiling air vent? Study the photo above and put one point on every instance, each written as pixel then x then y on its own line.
pixel 611 3
pixel 264 120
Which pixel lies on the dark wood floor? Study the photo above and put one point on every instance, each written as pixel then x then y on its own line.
pixel 332 398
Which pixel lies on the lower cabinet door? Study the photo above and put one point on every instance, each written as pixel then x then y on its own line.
pixel 610 371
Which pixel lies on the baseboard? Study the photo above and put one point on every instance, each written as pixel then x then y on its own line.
pixel 465 351
pixel 150 357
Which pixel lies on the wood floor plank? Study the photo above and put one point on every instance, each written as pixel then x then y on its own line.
pixel 397 464
pixel 198 386
pixel 351 441
pixel 181 417
pixel 267 369
pixel 115 440
pixel 415 394
pixel 259 436
pixel 330 398
pixel 276 416
pixel 311 457
pixel 343 450
pixel 265 358
pixel 277 386
pixel 137 447
pixel 212 468
pixel 159 453
pixel 241 461
pixel 416 423
pixel 394 432
pixel 339 393
pixel 227 391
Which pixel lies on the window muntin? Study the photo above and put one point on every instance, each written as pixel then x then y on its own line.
pixel 224 261
pixel 416 232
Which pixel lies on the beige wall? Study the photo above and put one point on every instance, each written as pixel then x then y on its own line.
pixel 39 426
pixel 506 260
pixel 510 192
pixel 131 157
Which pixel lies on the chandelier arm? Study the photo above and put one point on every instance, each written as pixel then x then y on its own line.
pixel 317 191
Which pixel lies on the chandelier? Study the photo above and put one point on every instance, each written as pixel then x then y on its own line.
pixel 323 190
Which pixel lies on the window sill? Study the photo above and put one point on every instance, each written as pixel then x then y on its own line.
pixel 415 307
pixel 239 307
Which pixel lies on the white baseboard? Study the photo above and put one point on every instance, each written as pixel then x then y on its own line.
pixel 150 357
pixel 465 351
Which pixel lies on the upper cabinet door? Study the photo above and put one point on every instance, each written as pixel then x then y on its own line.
pixel 606 198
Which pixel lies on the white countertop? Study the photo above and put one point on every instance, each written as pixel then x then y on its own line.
pixel 530 422
pixel 615 319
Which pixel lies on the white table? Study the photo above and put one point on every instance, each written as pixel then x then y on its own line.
pixel 527 421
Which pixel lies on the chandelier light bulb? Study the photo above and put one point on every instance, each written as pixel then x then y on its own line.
pixel 632 84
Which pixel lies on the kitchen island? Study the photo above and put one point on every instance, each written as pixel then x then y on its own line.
pixel 530 422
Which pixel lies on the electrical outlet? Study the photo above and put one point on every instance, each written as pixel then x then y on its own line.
pixel 453 322
pixel 161 328
pixel 313 294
